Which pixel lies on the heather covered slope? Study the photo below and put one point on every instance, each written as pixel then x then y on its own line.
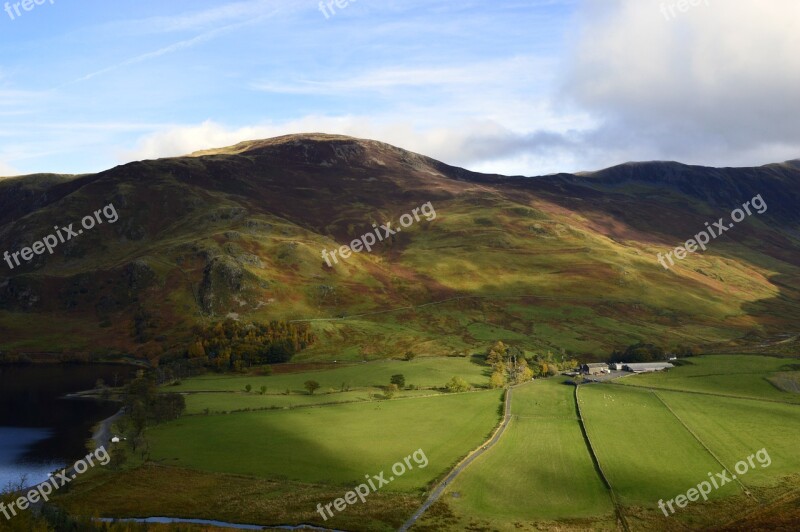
pixel 555 262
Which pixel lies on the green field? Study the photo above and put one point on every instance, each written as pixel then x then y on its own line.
pixel 540 469
pixel 422 372
pixel 652 444
pixel 335 444
pixel 736 428
pixel 733 375
pixel 643 449
pixel 217 402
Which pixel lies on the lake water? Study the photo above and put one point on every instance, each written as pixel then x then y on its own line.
pixel 40 431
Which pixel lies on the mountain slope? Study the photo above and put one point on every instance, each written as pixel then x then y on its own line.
pixel 562 262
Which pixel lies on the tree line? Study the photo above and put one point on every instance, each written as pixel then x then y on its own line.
pixel 233 345
pixel 510 364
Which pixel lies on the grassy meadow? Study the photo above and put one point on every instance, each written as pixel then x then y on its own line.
pixel 539 470
pixel 645 452
pixel 421 372
pixel 730 375
pixel 652 443
pixel 334 444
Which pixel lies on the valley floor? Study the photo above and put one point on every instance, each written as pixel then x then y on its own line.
pixel 599 457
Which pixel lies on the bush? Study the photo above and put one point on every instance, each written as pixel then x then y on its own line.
pixel 457 384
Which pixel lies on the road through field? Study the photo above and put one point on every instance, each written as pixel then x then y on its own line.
pixel 437 492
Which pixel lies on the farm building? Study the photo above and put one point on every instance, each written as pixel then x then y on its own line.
pixel 617 366
pixel 644 367
pixel 594 369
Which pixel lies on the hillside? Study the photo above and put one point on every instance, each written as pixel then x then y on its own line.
pixel 561 262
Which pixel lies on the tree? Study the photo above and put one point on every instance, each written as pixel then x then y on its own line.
pixel 311 386
pixel 263 390
pixel 398 380
pixel 390 391
pixel 196 350
pixel 247 388
pixel 496 354
pixel 640 352
pixel 457 384
pixel 524 374
pixel 410 355
pixel 497 380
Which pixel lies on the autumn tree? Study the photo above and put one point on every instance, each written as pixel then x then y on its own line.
pixel 196 350
pixel 497 380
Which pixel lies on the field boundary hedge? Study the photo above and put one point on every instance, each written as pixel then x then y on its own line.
pixel 598 467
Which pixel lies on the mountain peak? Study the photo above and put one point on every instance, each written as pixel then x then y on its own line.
pixel 291 139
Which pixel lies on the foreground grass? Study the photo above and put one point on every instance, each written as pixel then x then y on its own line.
pixel 153 490
pixel 333 444
pixel 737 428
pixel 646 453
pixel 539 470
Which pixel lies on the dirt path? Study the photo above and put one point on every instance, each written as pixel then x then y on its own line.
pixel 439 489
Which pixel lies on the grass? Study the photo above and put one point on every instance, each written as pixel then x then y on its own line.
pixel 645 452
pixel 280 463
pixel 217 402
pixel 539 470
pixel 737 428
pixel 232 498
pixel 733 375
pixel 422 372
pixel 334 444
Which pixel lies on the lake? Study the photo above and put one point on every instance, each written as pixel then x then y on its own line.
pixel 40 430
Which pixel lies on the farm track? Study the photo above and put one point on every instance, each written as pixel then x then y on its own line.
pixel 439 489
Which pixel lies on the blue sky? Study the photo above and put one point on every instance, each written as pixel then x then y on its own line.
pixel 519 87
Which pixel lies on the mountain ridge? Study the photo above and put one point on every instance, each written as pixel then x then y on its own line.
pixel 238 231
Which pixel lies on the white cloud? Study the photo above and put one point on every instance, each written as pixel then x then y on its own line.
pixel 715 84
pixel 468 143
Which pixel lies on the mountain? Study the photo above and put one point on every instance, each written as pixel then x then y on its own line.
pixel 565 262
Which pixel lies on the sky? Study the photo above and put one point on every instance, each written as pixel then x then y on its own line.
pixel 520 87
